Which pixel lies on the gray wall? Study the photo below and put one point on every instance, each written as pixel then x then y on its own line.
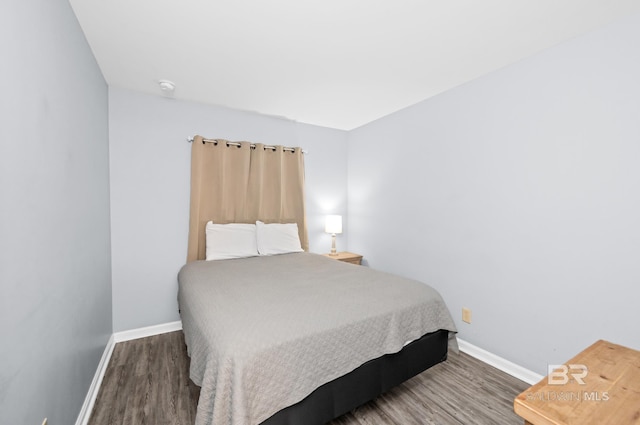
pixel 516 195
pixel 55 274
pixel 150 169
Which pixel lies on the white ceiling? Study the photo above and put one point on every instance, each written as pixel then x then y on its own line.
pixel 333 63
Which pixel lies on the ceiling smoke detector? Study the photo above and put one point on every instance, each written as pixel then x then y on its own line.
pixel 167 87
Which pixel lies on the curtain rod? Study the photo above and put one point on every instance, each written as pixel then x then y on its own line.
pixel 253 146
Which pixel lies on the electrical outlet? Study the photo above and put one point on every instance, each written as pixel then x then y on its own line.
pixel 466 315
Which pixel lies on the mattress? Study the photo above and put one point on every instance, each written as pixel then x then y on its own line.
pixel 265 332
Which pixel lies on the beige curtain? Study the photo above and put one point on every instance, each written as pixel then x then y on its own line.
pixel 240 184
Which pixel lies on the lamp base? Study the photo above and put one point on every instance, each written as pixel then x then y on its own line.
pixel 333 245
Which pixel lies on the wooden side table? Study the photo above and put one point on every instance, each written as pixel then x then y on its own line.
pixel 599 386
pixel 347 257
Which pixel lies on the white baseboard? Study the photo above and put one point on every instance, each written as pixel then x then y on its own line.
pixel 90 399
pixel 147 331
pixel 498 362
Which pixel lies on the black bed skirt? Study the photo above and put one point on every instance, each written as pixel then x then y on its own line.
pixel 365 383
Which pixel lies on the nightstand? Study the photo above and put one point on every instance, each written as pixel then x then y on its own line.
pixel 347 257
pixel 607 394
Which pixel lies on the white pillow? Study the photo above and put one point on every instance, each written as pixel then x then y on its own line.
pixel 234 240
pixel 277 238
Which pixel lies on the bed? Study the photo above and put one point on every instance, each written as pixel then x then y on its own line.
pixel 300 338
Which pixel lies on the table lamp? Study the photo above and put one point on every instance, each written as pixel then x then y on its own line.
pixel 333 225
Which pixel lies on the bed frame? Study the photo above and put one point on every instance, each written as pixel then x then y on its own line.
pixel 365 383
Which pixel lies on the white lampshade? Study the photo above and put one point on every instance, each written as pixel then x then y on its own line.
pixel 333 224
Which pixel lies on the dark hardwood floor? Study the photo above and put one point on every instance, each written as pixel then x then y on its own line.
pixel 147 382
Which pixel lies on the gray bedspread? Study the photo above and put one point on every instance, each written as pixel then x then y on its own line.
pixel 264 332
